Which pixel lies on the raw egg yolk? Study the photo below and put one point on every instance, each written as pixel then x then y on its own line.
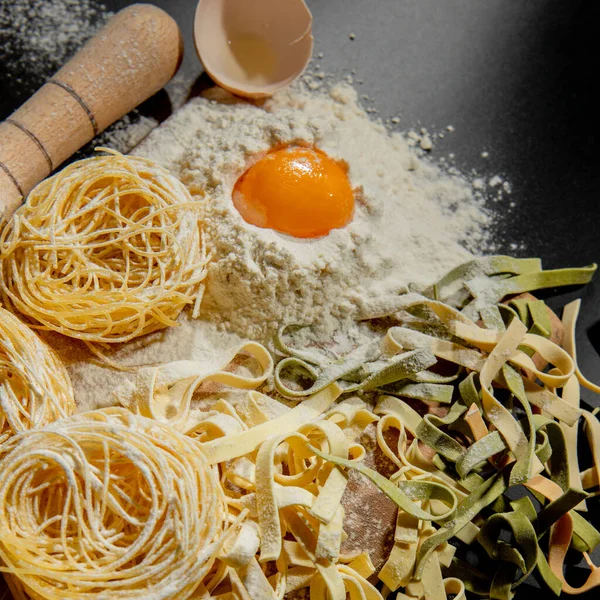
pixel 294 190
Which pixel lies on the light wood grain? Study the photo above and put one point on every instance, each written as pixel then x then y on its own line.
pixel 126 62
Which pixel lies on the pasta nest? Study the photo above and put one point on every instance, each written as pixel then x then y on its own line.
pixel 35 388
pixel 108 505
pixel 108 249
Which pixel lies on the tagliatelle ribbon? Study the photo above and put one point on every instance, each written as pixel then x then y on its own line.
pixel 405 492
pixel 534 314
pixel 446 349
pixel 487 267
pixel 591 477
pixel 522 448
pixel 370 375
pixel 485 494
pixel 269 525
pixel 474 417
pixel 570 314
pixel 224 449
pixel 545 398
pixel 477 285
pixel 409 461
pixel 561 535
pixel 428 392
pixel 571 395
pixel 164 393
pixel 288 490
pixel 483 449
pixel 325 506
pixel 554 354
pixel 489 292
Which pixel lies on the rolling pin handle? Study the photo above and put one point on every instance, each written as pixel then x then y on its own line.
pixel 132 57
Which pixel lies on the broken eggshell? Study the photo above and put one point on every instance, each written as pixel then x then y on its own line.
pixel 253 48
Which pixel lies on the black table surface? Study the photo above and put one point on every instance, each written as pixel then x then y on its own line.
pixel 514 78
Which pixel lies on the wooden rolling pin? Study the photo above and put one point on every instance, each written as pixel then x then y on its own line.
pixel 128 60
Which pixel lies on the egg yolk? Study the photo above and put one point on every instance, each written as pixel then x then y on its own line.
pixel 298 191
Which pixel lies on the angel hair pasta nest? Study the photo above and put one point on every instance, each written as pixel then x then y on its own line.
pixel 107 504
pixel 108 249
pixel 35 388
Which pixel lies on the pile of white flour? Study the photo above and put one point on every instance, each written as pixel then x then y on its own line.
pixel 412 223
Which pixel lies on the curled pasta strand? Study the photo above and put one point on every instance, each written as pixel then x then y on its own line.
pixel 35 388
pixel 108 504
pixel 108 249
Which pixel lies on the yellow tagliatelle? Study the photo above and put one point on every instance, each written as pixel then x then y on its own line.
pixel 108 504
pixel 108 249
pixel 570 314
pixel 456 440
pixel 272 465
pixel 293 498
pixel 35 388
pixel 164 392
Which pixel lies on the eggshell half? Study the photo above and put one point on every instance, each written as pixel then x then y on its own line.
pixel 253 48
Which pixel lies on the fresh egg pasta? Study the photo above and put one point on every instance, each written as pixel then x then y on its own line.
pixel 35 388
pixel 107 504
pixel 108 249
pixel 198 493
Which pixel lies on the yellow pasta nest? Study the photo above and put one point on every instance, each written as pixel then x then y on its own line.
pixel 110 505
pixel 108 249
pixel 34 386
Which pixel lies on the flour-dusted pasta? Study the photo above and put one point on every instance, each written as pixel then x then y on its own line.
pixel 108 505
pixel 210 488
pixel 108 249
pixel 35 388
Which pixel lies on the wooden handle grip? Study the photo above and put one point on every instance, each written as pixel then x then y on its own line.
pixel 128 60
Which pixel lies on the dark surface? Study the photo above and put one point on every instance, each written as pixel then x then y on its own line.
pixel 514 78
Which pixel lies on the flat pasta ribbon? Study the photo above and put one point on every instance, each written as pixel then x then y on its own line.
pixel 165 392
